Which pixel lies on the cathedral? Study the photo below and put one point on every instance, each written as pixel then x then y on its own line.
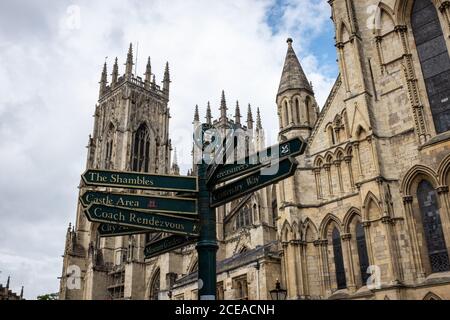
pixel 367 213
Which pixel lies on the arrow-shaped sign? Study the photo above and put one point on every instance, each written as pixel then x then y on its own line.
pixel 137 180
pixel 143 220
pixel 149 203
pixel 225 172
pixel 114 230
pixel 167 244
pixel 253 182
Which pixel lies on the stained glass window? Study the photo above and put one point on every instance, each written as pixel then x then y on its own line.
pixel 432 227
pixel 141 150
pixel 362 252
pixel 338 260
pixel 434 59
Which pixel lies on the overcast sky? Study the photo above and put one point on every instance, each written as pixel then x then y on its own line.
pixel 51 55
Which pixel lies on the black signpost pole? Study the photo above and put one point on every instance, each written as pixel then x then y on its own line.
pixel 207 244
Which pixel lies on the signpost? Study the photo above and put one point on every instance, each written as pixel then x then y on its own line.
pixel 148 203
pixel 137 180
pixel 143 220
pixel 253 182
pixel 167 244
pixel 190 219
pixel 257 160
pixel 113 230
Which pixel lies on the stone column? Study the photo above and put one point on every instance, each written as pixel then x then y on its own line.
pixel 317 245
pixel 323 257
pixel 340 47
pixel 318 183
pixel 415 249
pixel 330 182
pixel 388 224
pixel 366 226
pixel 348 161
pixel 303 248
pixel 337 163
pixel 444 213
pixel 348 258
pixel 358 159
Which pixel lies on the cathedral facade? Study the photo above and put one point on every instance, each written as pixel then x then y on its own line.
pixel 367 214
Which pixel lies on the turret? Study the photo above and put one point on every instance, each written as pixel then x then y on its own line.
pixel 115 74
pixel 237 114
pixel 103 82
pixel 223 109
pixel 208 114
pixel 129 64
pixel 295 98
pixel 166 80
pixel 148 74
pixel 249 117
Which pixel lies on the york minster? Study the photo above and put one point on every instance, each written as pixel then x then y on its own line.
pixel 367 213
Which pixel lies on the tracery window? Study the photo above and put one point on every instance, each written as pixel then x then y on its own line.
pixel 362 252
pixel 338 259
pixel 155 286
pixel 141 150
pixel 434 59
pixel 432 227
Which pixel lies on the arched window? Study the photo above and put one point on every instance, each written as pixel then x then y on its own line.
pixel 297 110
pixel 274 206
pixel 331 138
pixel 434 59
pixel 109 147
pixel 338 260
pixel 432 227
pixel 362 252
pixel 141 150
pixel 155 286
pixel 286 114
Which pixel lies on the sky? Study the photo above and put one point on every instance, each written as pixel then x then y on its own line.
pixel 51 56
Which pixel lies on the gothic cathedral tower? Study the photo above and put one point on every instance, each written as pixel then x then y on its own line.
pixel 131 133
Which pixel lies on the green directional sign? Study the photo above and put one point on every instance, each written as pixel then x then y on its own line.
pixel 114 230
pixel 137 180
pixel 142 219
pixel 167 244
pixel 141 202
pixel 255 181
pixel 257 160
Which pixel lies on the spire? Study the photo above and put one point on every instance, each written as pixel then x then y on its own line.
pixel 148 73
pixel 223 108
pixel 166 80
pixel 154 82
pixel 237 114
pixel 103 81
pixel 7 282
pixel 258 120
pixel 175 167
pixel 293 76
pixel 249 117
pixel 208 114
pixel 196 115
pixel 129 64
pixel 115 74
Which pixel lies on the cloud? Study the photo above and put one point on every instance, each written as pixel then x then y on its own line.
pixel 51 55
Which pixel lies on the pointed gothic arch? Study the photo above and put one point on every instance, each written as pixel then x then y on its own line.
pixel 286 232
pixel 443 171
pixel 140 154
pixel 327 220
pixel 310 232
pixel 155 285
pixel 371 208
pixel 431 296
pixel 413 174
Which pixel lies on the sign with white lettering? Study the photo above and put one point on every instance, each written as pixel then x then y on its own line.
pixel 149 203
pixel 143 220
pixel 113 230
pixel 255 181
pixel 167 244
pixel 137 180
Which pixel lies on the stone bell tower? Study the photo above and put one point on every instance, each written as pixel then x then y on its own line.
pixel 131 133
